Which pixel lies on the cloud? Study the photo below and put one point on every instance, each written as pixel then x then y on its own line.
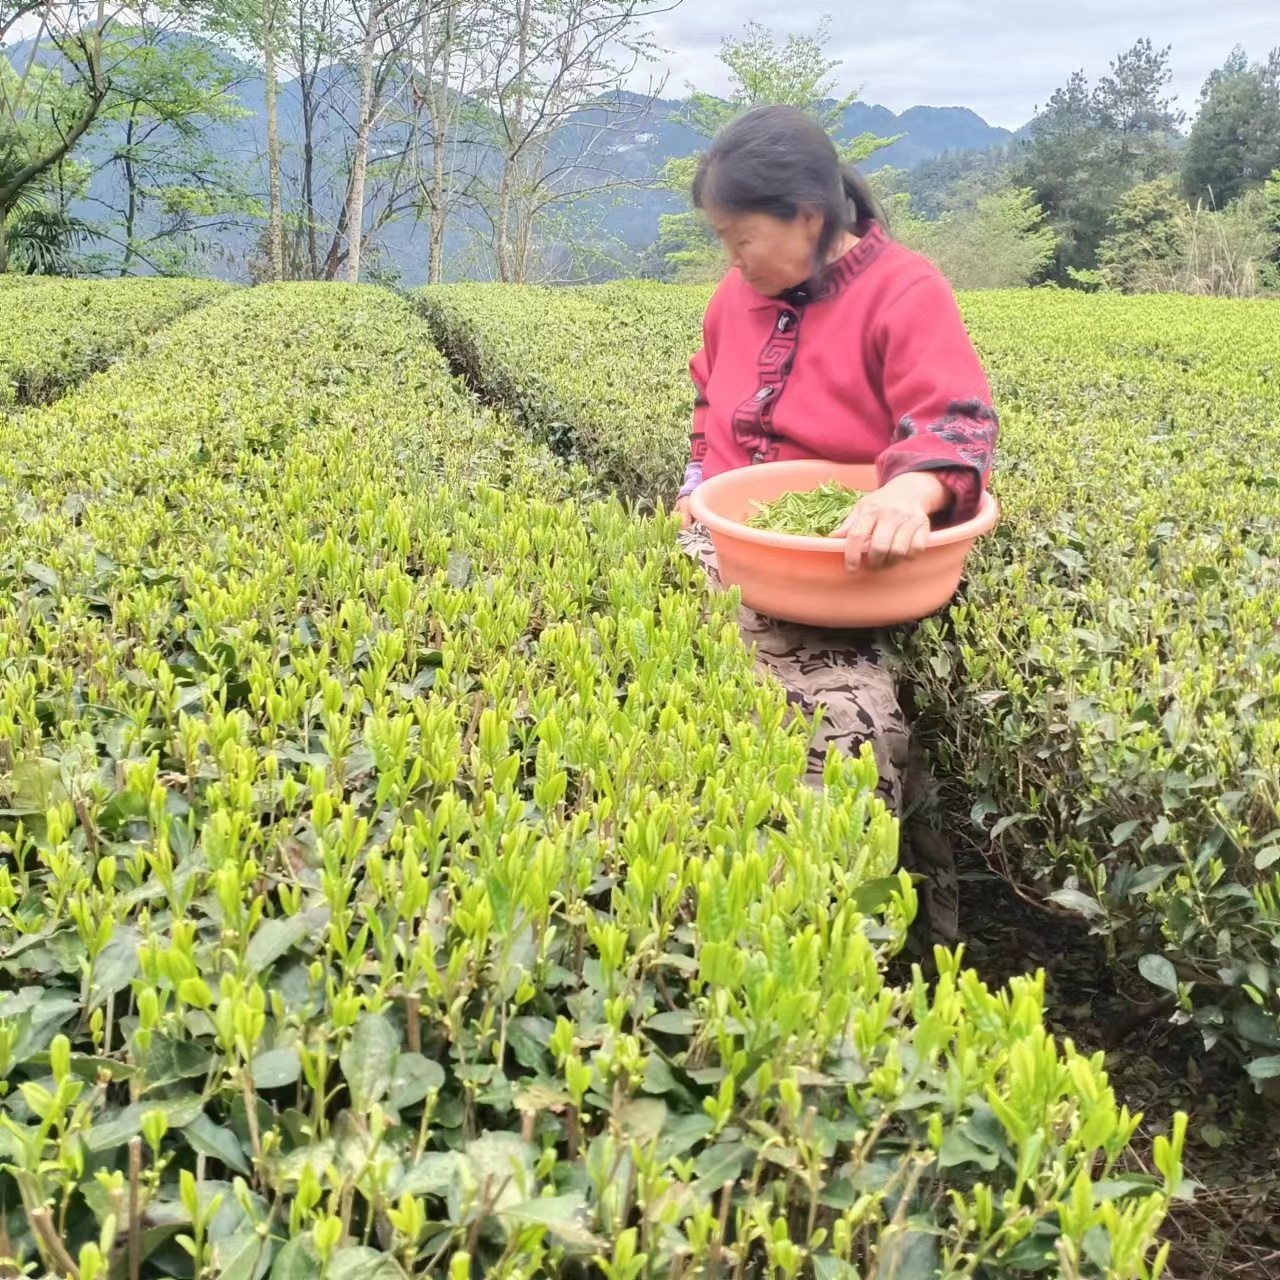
pixel 1003 58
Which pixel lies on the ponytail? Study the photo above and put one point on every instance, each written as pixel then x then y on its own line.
pixel 861 199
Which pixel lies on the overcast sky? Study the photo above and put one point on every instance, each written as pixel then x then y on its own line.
pixel 1003 58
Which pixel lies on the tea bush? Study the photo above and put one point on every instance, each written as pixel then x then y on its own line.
pixel 600 373
pixel 53 333
pixel 1105 696
pixel 404 873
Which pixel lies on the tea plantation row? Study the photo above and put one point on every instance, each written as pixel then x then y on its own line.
pixel 1105 699
pixel 53 333
pixel 390 883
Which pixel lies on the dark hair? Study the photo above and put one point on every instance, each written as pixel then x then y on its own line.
pixel 779 160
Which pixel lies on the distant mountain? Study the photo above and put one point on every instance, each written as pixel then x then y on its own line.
pixel 642 135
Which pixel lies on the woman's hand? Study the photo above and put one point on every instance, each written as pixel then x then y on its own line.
pixel 891 524
pixel 686 517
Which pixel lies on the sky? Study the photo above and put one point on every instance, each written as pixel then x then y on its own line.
pixel 1002 58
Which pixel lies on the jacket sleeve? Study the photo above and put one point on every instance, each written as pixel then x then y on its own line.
pixel 937 395
pixel 700 372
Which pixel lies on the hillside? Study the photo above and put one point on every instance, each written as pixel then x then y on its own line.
pixel 640 139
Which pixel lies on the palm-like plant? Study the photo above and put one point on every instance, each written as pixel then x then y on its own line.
pixel 41 240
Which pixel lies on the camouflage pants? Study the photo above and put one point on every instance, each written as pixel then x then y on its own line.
pixel 849 676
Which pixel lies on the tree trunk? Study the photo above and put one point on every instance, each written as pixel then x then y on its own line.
pixel 131 188
pixel 508 267
pixel 275 217
pixel 360 163
pixel 436 89
pixel 306 83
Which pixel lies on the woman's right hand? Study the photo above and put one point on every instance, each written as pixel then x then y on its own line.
pixel 686 516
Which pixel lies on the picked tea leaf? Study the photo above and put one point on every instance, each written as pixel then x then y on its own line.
pixel 814 513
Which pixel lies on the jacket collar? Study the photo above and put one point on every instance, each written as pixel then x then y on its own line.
pixel 838 276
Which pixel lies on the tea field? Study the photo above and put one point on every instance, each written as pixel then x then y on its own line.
pixel 1104 701
pixel 53 333
pixel 403 871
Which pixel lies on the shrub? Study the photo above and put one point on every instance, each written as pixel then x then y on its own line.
pixel 57 332
pixel 405 872
pixel 1104 697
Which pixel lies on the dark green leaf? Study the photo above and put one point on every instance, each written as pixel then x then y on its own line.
pixel 415 1077
pixel 679 1022
pixel 503 1162
pixel 1159 972
pixel 35 786
pixel 217 1142
pixel 276 1069
pixel 127 1124
pixel 116 965
pixel 910 1255
pixel 1078 902
pixel 368 1060
pixel 825 1267
pixel 167 1061
pixel 41 573
pixel 276 938
pixel 1265 1068
pixel 722 1163
pixel 297 1261
pixel 359 1263
pixel 1257 1026
pixel 642 1119
pixel 874 894
pixel 565 1217
pixel 433 1175
pixel 959 1148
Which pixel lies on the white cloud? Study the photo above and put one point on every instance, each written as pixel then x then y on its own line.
pixel 1002 57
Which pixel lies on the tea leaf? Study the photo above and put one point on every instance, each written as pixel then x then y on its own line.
pixel 213 1140
pixel 1159 972
pixel 414 1077
pixel 566 1218
pixel 276 1068
pixel 368 1060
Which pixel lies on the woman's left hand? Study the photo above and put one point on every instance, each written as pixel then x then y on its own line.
pixel 891 524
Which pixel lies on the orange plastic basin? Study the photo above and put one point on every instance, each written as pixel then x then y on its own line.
pixel 804 579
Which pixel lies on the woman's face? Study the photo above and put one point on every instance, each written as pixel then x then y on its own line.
pixel 772 254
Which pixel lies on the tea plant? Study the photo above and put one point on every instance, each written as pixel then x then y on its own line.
pixel 1105 696
pixel 53 333
pixel 405 873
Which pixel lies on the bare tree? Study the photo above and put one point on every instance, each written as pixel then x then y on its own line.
pixel 447 36
pixel 554 65
pixel 275 211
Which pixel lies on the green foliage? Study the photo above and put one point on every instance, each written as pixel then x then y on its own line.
pixel 1235 140
pixel 1148 238
pixel 1105 696
pixel 611 388
pixel 41 240
pixel 58 332
pixel 998 241
pixel 405 871
pixel 1160 245
pixel 168 183
pixel 809 512
pixel 1092 144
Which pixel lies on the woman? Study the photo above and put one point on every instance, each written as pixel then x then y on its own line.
pixel 826 339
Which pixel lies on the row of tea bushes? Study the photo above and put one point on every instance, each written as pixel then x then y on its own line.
pixel 1106 696
pixel 599 374
pixel 54 333
pixel 404 873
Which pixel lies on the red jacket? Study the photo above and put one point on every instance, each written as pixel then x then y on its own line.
pixel 870 364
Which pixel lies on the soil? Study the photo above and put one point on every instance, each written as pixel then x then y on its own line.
pixel 1232 1228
